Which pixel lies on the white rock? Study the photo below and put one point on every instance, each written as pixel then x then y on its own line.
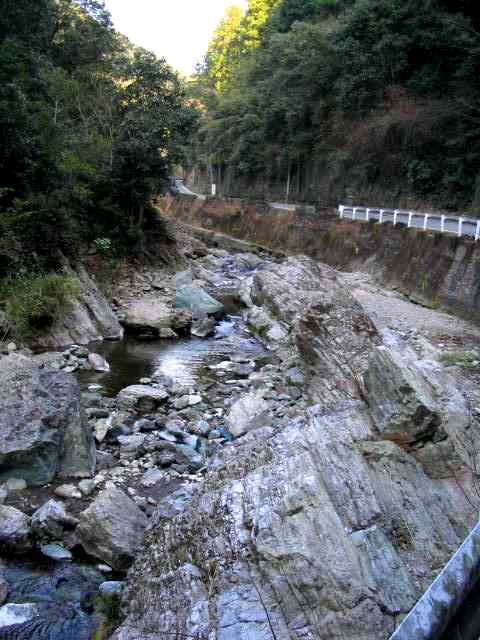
pixel 98 363
pixel 16 484
pixel 87 487
pixel 56 552
pixel 16 613
pixel 67 491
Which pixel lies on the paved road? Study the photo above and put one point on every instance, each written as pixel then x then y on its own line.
pixel 185 191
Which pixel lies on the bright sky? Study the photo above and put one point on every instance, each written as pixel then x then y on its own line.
pixel 178 30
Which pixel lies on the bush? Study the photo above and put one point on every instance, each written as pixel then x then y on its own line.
pixel 33 304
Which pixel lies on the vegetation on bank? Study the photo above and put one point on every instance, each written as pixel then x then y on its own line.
pixel 322 99
pixel 90 129
pixel 34 303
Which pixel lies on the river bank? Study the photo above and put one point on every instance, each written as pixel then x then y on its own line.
pixel 305 465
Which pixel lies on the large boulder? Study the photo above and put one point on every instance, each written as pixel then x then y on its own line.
pixel 112 528
pixel 51 520
pixel 141 397
pixel 15 532
pixel 43 430
pixel 248 413
pixel 148 314
pixel 198 301
pixel 90 317
pixel 328 327
pixel 417 403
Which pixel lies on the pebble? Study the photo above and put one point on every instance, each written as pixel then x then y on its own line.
pixel 16 484
pixel 87 487
pixel 152 477
pixel 111 588
pixel 94 387
pixel 56 552
pixel 103 568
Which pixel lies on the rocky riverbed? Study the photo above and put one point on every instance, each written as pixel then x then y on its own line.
pixel 268 453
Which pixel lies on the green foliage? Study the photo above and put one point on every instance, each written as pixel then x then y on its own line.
pixel 34 303
pixel 109 607
pixel 366 96
pixel 90 128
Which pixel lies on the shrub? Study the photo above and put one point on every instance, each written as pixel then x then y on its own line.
pixel 34 303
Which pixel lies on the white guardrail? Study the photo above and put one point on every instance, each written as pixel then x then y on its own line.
pixel 459 225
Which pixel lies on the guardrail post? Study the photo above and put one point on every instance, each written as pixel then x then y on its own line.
pixel 425 222
pixel 395 214
pixel 460 224
pixel 477 231
pixel 410 215
pixel 381 216
pixel 340 210
pixel 367 214
pixel 354 213
pixel 442 223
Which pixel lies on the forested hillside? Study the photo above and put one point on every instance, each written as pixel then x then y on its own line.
pixel 323 99
pixel 90 128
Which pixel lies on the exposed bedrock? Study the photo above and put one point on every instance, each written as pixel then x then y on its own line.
pixel 90 318
pixel 333 526
pixel 43 429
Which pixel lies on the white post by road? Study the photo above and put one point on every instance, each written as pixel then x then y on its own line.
pixel 460 223
pixel 425 222
pixel 214 189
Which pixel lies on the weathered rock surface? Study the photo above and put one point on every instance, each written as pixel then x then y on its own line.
pixel 43 431
pixel 46 621
pixel 98 363
pixel 328 327
pixel 203 327
pixel 249 412
pixel 111 528
pixel 148 314
pixel 15 532
pixel 316 510
pixel 333 525
pixel 410 399
pixel 142 397
pixel 91 317
pixel 51 521
pixel 198 301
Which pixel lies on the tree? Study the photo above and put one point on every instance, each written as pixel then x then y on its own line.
pixel 225 48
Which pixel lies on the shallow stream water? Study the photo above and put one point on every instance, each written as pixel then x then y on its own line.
pixel 184 360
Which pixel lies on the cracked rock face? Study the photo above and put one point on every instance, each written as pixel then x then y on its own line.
pixel 112 528
pixel 43 430
pixel 331 526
